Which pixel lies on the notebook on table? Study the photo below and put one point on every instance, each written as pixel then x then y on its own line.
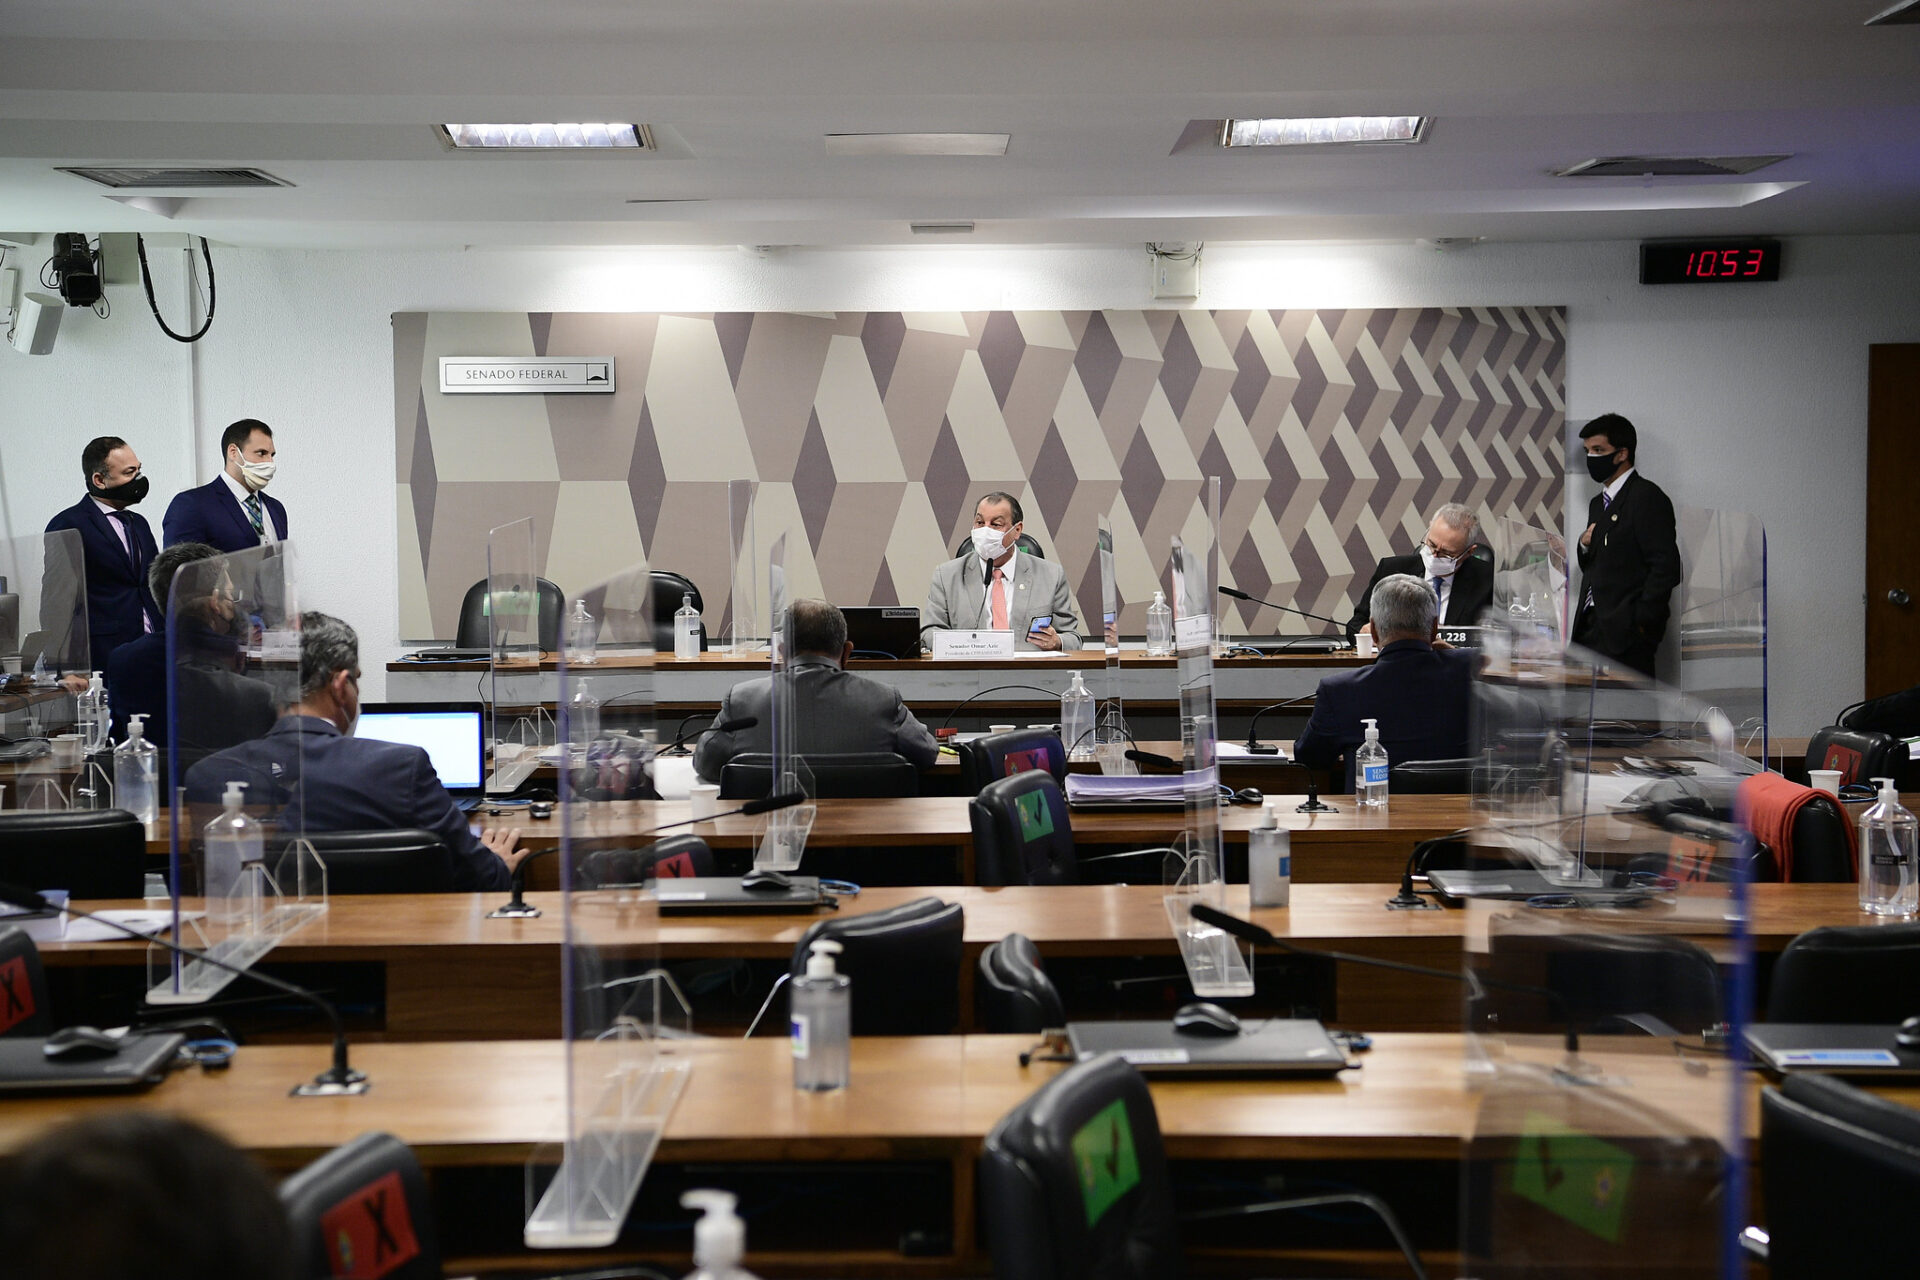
pixel 1838 1048
pixel 725 895
pixel 1264 1047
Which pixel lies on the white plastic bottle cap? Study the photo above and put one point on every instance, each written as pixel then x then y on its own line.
pixel 820 958
pixel 719 1237
pixel 234 796
pixel 136 727
pixel 1269 817
pixel 1887 793
pixel 1373 730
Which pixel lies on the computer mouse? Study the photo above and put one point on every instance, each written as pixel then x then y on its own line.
pixel 540 809
pixel 1203 1018
pixel 80 1043
pixel 763 878
pixel 1908 1036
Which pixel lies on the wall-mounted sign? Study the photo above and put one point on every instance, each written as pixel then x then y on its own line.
pixel 525 375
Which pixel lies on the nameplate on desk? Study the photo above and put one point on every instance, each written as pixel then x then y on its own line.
pixel 948 645
pixel 1195 632
pixel 1834 1058
pixel 525 375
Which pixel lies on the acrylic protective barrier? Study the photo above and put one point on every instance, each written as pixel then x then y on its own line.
pixel 1607 1133
pixel 44 664
pixel 1530 578
pixel 621 1014
pixel 781 839
pixel 743 581
pixel 1720 617
pixel 520 726
pixel 1111 736
pixel 246 705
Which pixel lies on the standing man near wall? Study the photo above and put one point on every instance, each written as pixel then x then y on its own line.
pixel 232 512
pixel 1629 554
pixel 117 546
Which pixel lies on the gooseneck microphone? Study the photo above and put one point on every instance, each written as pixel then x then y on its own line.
pixel 734 725
pixel 1286 608
pixel 340 1078
pixel 1254 746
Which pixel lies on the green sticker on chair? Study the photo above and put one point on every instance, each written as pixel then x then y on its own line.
pixel 1103 1154
pixel 1036 818
pixel 1573 1175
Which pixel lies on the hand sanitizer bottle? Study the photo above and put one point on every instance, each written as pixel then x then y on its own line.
pixel 1076 720
pixel 820 1022
pixel 583 636
pixel 1159 627
pixel 1269 861
pixel 719 1237
pixel 1889 856
pixel 93 716
pixel 136 766
pixel 233 842
pixel 686 631
pixel 1370 769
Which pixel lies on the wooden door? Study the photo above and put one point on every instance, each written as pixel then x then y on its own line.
pixel 1893 515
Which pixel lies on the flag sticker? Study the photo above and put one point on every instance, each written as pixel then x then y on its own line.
pixel 1104 1156
pixel 1573 1175
pixel 1036 819
pixel 370 1233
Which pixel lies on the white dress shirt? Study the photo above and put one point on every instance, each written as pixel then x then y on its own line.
pixel 239 491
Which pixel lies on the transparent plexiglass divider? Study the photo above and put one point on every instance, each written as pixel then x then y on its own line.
pixel 519 725
pixel 47 669
pixel 1215 966
pixel 622 1017
pixel 781 839
pixel 1530 580
pixel 1604 997
pixel 743 583
pixel 1216 606
pixel 1111 734
pixel 234 750
pixel 1720 618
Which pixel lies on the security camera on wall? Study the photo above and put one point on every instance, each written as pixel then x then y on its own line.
pixel 39 320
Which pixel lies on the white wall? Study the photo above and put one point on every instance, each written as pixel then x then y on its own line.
pixel 1751 398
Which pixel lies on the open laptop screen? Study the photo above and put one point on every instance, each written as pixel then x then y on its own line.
pixel 451 733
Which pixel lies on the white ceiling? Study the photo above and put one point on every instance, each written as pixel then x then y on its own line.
pixel 339 98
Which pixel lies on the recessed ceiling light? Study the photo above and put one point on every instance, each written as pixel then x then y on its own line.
pixel 547 137
pixel 917 144
pixel 1322 131
pixel 955 228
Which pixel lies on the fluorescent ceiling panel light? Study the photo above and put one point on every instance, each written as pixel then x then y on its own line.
pixel 917 144
pixel 1322 131
pixel 941 228
pixel 567 136
pixel 122 177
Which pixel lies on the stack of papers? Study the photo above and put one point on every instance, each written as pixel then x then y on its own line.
pixel 1156 791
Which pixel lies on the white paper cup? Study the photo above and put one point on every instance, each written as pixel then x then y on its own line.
pixel 1363 645
pixel 1827 780
pixel 1002 728
pixel 66 748
pixel 705 798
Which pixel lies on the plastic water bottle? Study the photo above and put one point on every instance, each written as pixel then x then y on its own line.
pixel 233 843
pixel 1370 769
pixel 93 716
pixel 1159 627
pixel 1076 720
pixel 583 730
pixel 686 631
pixel 583 636
pixel 136 768
pixel 1889 856
pixel 821 1022
pixel 1269 861
pixel 719 1237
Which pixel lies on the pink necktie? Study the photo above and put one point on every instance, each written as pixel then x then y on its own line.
pixel 999 597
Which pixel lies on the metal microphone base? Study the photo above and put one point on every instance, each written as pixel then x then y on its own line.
pixel 1412 902
pixel 330 1084
pixel 1314 804
pixel 513 910
pixel 1262 749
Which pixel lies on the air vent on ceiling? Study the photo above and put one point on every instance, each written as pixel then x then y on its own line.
pixel 941 228
pixel 1906 13
pixel 122 178
pixel 1666 166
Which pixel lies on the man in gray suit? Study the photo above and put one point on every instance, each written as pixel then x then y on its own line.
pixel 995 587
pixel 834 711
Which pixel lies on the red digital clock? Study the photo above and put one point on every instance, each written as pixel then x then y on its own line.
pixel 1709 261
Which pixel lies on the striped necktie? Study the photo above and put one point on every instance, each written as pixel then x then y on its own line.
pixel 252 504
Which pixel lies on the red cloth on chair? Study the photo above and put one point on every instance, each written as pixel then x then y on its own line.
pixel 1767 805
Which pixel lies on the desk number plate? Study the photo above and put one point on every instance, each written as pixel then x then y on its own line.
pixel 972 644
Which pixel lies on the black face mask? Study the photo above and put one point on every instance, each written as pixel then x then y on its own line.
pixel 1601 465
pixel 130 492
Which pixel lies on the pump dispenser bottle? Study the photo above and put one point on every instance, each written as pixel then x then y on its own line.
pixel 136 766
pixel 686 631
pixel 1370 769
pixel 1889 856
pixel 1076 720
pixel 1159 627
pixel 1269 861
pixel 719 1237
pixel 233 842
pixel 820 1022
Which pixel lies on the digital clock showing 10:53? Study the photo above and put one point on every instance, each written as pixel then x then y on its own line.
pixel 1709 261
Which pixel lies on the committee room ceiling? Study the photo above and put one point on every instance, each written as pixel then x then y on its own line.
pixel 340 99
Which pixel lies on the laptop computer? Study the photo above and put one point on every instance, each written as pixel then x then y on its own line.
pixel 1518 883
pixel 451 653
pixel 1839 1048
pixel 725 895
pixel 889 630
pixel 143 1061
pixel 1264 1047
pixel 453 734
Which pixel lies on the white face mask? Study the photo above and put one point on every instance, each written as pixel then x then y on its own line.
pixel 988 543
pixel 1437 566
pixel 256 475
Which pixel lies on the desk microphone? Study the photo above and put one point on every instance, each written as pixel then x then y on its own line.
pixel 998 688
pixel 1317 617
pixel 734 725
pixel 519 906
pixel 1312 804
pixel 337 1079
pixel 1253 739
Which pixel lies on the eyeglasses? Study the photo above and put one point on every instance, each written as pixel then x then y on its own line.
pixel 1445 552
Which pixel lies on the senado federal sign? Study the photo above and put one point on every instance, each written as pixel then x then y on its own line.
pixel 526 375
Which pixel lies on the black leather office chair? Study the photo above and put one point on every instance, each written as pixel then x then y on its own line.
pixel 97 853
pixel 996 755
pixel 473 632
pixel 1024 544
pixel 1862 756
pixel 1012 992
pixel 1601 983
pixel 904 962
pixel 1431 777
pixel 23 986
pixel 849 775
pixel 367 1194
pixel 1820 851
pixel 674 858
pixel 409 860
pixel 1022 833
pixel 1842 1172
pixel 1074 1183
pixel 669 589
pixel 1848 973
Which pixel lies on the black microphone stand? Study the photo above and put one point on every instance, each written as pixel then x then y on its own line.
pixel 1254 746
pixel 1235 594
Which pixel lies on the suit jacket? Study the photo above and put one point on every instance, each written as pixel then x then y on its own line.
pixel 211 514
pixel 957 599
pixel 834 712
pixel 348 784
pixel 218 705
pixel 117 594
pixel 1632 567
pixel 1471 596
pixel 1419 694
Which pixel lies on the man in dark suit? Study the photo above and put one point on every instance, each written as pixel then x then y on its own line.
pixel 347 783
pixel 1418 690
pixel 834 711
pixel 233 512
pixel 1463 584
pixel 1629 554
pixel 116 545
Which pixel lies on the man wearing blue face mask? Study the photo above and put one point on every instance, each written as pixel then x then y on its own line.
pixel 1462 584
pixel 1629 555
pixel 998 586
pixel 233 513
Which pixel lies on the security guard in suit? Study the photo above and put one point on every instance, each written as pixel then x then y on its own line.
pixel 1629 555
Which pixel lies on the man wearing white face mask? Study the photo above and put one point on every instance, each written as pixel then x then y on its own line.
pixel 233 512
pixel 999 587
pixel 1463 585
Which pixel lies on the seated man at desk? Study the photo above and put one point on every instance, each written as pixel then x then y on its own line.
pixel 834 711
pixel 1418 689
pixel 1463 584
pixel 996 587
pixel 347 783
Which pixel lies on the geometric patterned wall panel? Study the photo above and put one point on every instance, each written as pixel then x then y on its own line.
pixel 1334 433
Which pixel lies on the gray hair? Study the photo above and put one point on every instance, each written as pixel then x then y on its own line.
pixel 160 573
pixel 1458 515
pixel 819 627
pixel 1403 607
pixel 327 645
